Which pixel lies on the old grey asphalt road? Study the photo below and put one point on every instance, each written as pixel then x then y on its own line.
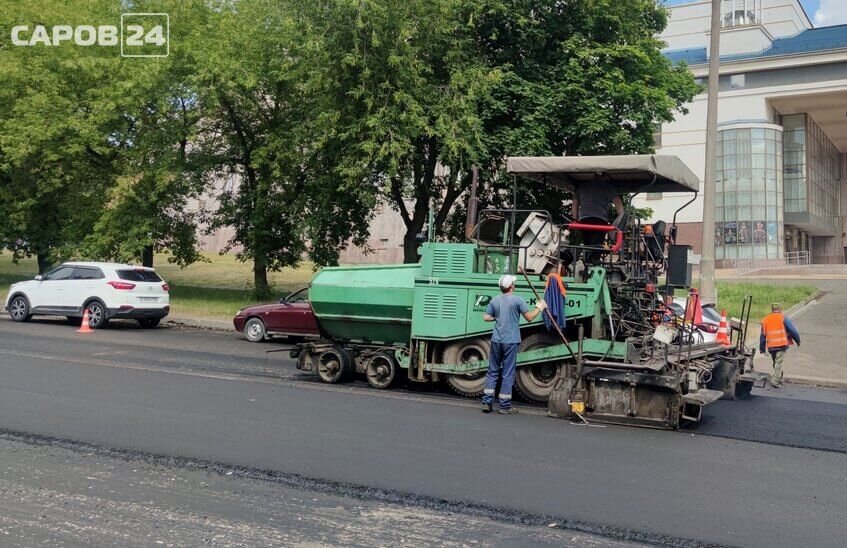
pixel 768 472
pixel 58 496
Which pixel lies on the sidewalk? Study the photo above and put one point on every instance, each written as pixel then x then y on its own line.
pixel 822 322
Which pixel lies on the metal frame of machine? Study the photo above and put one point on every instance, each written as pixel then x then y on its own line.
pixel 426 319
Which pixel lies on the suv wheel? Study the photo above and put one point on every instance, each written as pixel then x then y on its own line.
pixel 254 330
pixel 149 323
pixel 19 309
pixel 97 315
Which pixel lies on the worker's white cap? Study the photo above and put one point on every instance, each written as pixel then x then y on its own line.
pixel 507 281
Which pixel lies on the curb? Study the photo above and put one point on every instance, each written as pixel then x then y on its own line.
pixel 197 323
pixel 816 381
pixel 794 310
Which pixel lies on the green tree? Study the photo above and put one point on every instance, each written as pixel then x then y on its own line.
pixel 401 91
pixel 90 144
pixel 145 208
pixel 60 120
pixel 590 80
pixel 256 111
pixel 419 90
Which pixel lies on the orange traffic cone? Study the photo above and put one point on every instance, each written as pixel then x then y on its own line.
pixel 723 333
pixel 85 328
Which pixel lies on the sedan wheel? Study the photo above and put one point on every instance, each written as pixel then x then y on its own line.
pixel 254 330
pixel 19 309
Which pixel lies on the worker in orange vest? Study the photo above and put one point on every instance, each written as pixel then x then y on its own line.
pixel 778 333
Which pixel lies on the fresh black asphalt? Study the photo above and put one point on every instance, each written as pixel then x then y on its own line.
pixel 212 398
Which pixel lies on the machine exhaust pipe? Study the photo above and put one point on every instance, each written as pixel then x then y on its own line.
pixel 473 204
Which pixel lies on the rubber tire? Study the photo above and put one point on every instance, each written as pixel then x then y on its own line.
pixel 149 323
pixel 254 330
pixel 95 320
pixel 371 374
pixel 529 383
pixel 345 369
pixel 470 386
pixel 25 316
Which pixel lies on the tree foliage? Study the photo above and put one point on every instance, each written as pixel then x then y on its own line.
pixel 60 125
pixel 320 109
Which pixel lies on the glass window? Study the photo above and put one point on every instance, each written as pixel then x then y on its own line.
pixel 88 273
pixel 736 81
pixel 60 273
pixel 139 275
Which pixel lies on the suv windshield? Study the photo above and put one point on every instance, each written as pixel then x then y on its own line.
pixel 139 275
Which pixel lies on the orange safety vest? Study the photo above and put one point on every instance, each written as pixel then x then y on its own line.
pixel 774 328
pixel 558 279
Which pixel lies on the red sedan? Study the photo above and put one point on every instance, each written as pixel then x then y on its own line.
pixel 291 317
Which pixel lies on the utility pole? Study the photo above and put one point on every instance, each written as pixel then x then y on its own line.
pixel 707 256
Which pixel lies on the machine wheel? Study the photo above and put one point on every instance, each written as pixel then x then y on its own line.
pixel 535 382
pixel 254 330
pixel 381 370
pixel 19 309
pixel 467 351
pixel 335 366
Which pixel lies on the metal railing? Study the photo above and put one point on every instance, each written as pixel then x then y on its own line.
pixel 743 265
pixel 792 258
pixel 797 258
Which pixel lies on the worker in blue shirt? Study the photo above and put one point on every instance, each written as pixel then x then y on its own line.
pixel 505 310
pixel 778 333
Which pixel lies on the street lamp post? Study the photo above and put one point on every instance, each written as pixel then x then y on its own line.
pixel 707 256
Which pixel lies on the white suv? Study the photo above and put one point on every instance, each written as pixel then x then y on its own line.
pixel 106 290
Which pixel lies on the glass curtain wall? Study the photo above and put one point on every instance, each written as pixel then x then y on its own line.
pixel 749 214
pixel 824 174
pixel 812 170
pixel 794 139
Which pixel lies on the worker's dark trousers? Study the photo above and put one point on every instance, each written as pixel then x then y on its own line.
pixel 593 239
pixel 501 363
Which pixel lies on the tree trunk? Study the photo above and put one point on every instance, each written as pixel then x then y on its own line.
pixel 415 227
pixel 410 245
pixel 147 256
pixel 43 262
pixel 260 279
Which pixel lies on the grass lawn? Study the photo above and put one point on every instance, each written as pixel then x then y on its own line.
pixel 218 287
pixel 731 295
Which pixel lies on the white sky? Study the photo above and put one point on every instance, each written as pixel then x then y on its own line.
pixel 830 12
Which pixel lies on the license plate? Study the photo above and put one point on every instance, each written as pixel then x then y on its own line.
pixel 148 299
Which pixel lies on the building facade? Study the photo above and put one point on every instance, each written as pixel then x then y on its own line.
pixel 781 174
